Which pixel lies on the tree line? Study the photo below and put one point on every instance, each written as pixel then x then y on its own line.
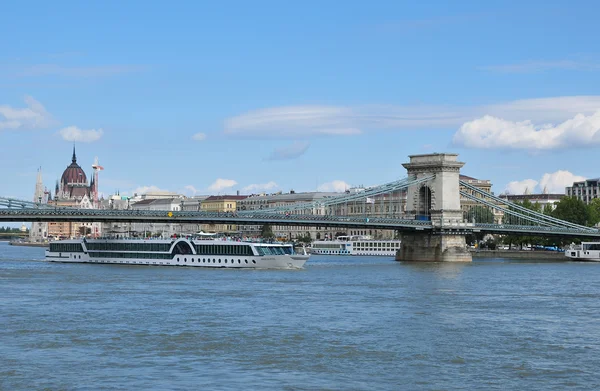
pixel 8 230
pixel 569 209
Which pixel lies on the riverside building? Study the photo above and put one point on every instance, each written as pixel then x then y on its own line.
pixel 585 190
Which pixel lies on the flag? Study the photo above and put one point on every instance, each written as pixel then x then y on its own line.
pixel 370 200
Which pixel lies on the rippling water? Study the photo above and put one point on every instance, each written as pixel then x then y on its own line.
pixel 348 323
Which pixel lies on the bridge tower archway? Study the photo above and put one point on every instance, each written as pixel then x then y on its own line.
pixel 424 205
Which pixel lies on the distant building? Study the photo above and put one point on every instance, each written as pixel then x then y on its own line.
pixel 171 204
pixel 156 195
pixel 192 204
pixel 294 201
pixel 388 205
pixel 115 202
pixel 73 190
pixel 73 184
pixel 585 190
pixel 224 204
pixel 466 204
pixel 482 184
pixel 545 200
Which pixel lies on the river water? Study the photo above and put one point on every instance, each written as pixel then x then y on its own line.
pixel 342 323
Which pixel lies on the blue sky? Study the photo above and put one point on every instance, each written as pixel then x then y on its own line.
pixel 214 97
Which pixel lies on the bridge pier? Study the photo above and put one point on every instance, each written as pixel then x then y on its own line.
pixel 433 247
pixel 437 201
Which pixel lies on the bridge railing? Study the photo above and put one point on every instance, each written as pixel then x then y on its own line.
pixel 536 228
pixel 388 188
pixel 219 216
pixel 516 215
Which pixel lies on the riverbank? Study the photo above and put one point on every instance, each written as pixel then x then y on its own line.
pixel 516 254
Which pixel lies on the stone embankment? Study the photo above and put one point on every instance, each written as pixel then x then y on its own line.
pixel 517 254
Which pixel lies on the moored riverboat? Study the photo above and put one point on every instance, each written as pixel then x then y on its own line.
pixel 587 251
pixel 355 245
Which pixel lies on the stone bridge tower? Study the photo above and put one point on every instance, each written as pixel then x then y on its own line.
pixel 437 200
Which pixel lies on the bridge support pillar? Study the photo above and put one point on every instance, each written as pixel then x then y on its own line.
pixel 438 201
pixel 422 246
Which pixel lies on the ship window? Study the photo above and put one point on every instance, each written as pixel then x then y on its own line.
pixel 253 261
pixel 184 259
pixel 246 260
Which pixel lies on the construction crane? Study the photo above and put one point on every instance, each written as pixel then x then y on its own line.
pixel 97 168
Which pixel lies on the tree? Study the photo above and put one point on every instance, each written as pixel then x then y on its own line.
pixel 573 210
pixel 304 238
pixel 480 214
pixel 266 232
pixel 594 211
pixel 517 220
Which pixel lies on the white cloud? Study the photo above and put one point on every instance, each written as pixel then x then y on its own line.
pixel 73 133
pixel 553 183
pixel 541 66
pixel 34 116
pixel 199 136
pixel 557 181
pixel 554 109
pixel 146 189
pixel 191 189
pixel 306 121
pixel 221 184
pixel 260 186
pixel 336 185
pixel 519 187
pixel 288 152
pixel 490 132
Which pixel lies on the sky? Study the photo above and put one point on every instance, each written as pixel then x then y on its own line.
pixel 214 97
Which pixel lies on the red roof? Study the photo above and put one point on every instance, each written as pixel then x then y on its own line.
pixel 73 173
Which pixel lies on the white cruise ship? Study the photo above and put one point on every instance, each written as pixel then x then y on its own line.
pixel 177 252
pixel 355 245
pixel 587 251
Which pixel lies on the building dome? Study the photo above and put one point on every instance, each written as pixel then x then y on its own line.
pixel 73 173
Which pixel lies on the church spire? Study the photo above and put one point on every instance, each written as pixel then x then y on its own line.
pixel 74 158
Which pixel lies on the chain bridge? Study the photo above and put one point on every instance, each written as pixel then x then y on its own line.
pixel 438 210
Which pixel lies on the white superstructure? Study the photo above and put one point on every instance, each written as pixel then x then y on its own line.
pixel 355 245
pixel 177 252
pixel 588 251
